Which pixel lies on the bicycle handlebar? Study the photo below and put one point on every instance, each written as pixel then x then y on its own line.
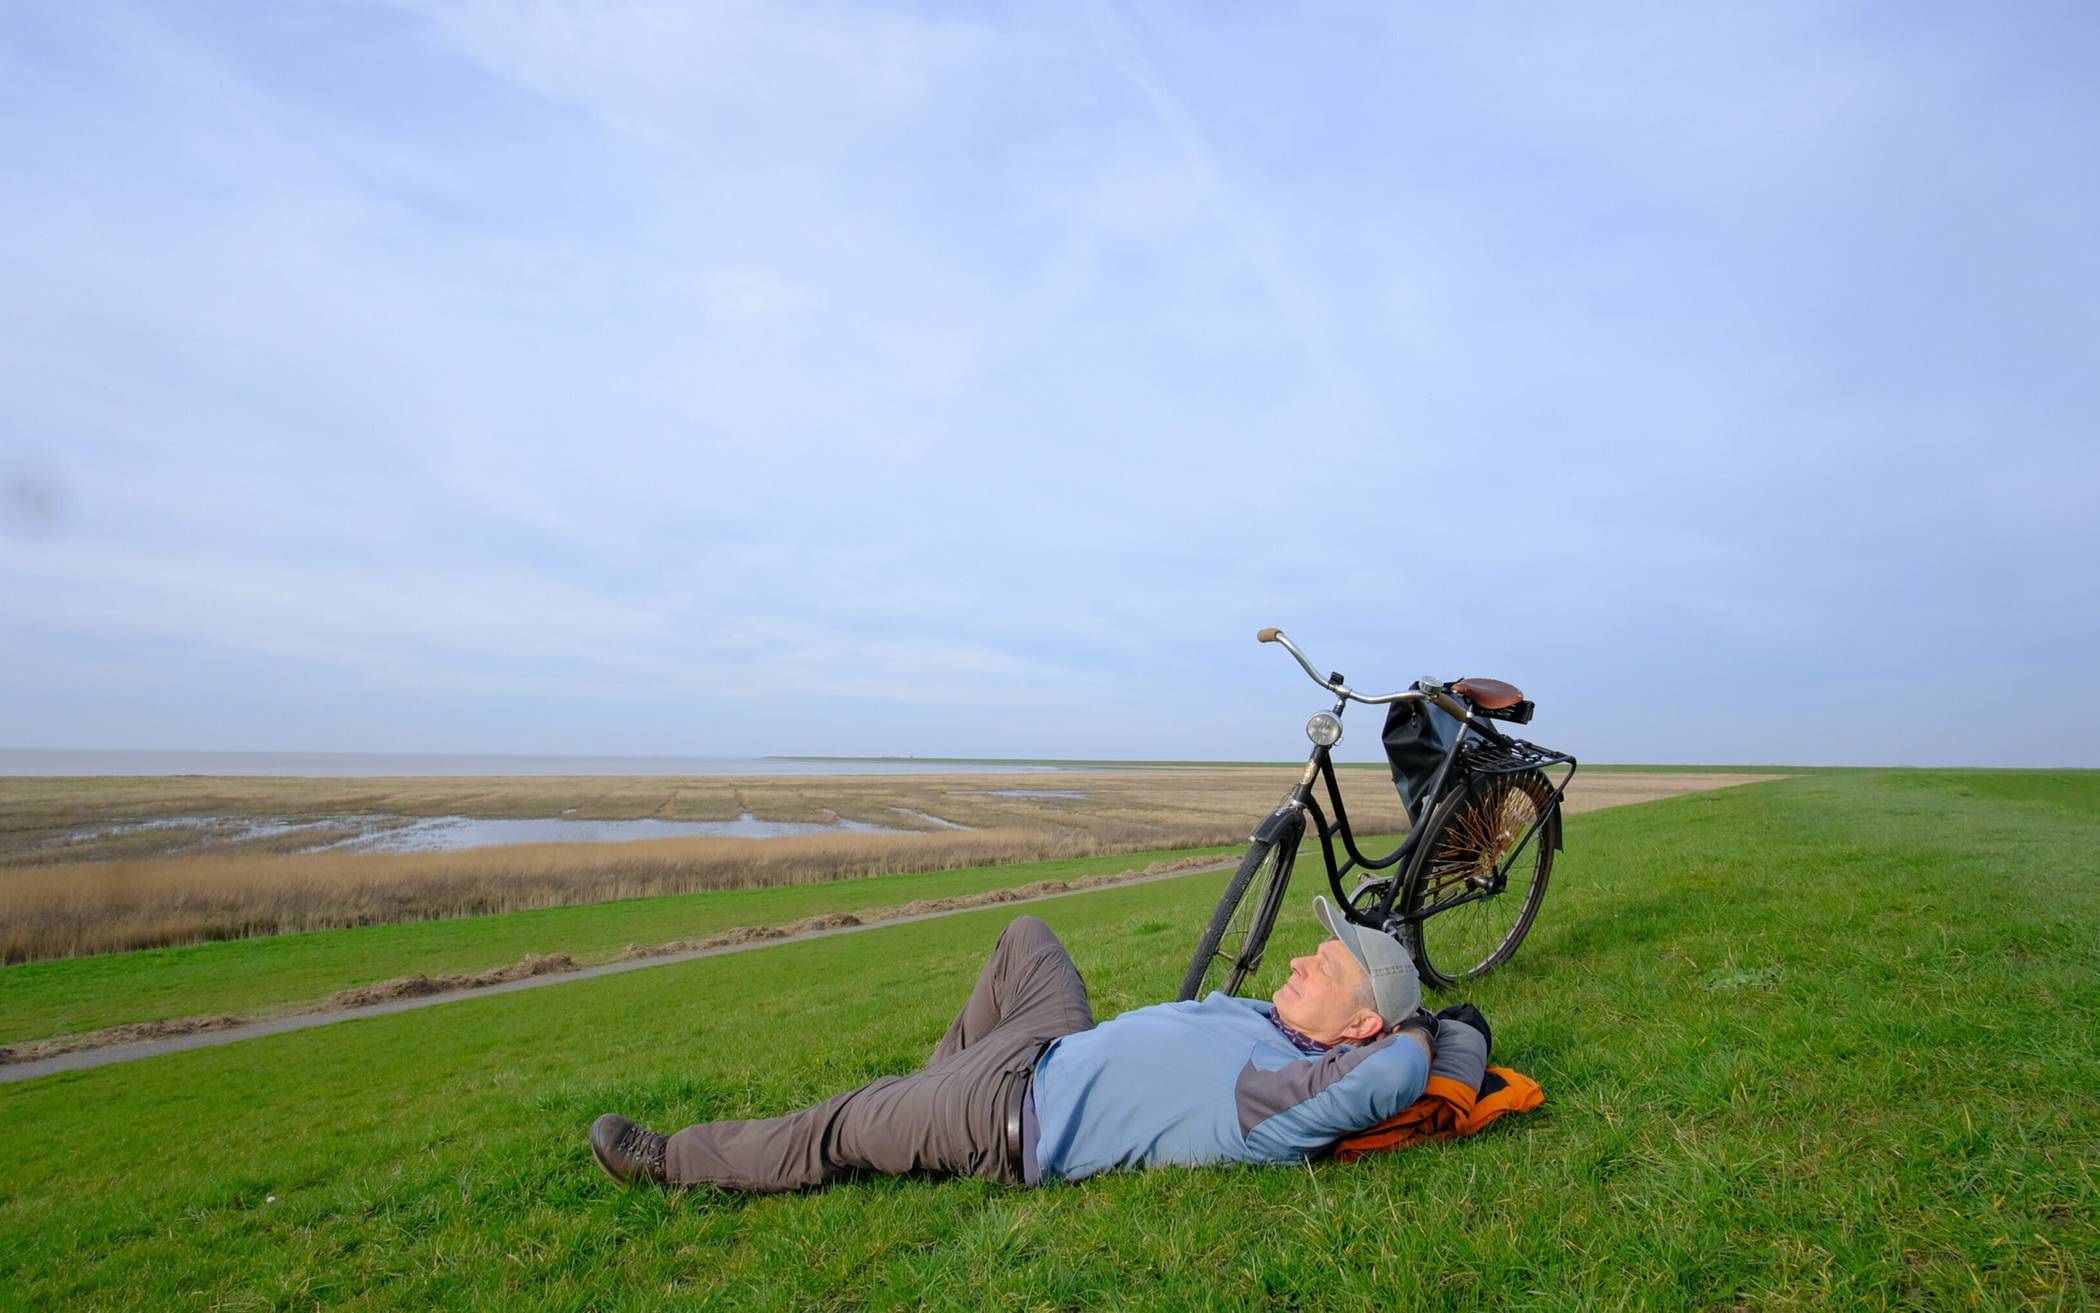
pixel 1428 687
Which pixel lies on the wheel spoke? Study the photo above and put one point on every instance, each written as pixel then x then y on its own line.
pixel 1470 853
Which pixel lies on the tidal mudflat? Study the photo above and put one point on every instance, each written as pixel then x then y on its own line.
pixel 381 833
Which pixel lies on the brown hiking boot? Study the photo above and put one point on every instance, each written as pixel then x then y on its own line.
pixel 628 1152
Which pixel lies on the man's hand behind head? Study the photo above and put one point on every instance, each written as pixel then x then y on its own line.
pixel 1421 1028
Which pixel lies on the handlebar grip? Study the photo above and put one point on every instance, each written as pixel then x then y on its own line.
pixel 1267 635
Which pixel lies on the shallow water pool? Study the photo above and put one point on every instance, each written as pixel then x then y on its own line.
pixel 450 833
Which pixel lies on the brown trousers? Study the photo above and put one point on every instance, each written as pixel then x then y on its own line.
pixel 949 1116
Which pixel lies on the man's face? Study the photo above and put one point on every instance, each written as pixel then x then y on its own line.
pixel 1321 1000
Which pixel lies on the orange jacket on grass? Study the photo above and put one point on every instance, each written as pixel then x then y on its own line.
pixel 1463 1094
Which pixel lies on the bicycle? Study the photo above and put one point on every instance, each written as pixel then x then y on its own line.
pixel 1484 825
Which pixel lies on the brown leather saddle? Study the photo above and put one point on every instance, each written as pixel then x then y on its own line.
pixel 1488 694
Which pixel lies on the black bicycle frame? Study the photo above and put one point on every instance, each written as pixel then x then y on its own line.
pixel 1279 827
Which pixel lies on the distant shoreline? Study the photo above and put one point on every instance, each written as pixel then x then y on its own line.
pixel 1051 763
pixel 45 763
pixel 36 763
pixel 66 762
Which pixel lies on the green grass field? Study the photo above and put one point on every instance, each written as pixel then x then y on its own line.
pixel 1822 1043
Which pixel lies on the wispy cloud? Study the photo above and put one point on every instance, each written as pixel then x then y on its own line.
pixel 660 377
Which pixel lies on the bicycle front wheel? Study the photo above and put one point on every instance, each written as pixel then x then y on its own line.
pixel 1481 883
pixel 1231 945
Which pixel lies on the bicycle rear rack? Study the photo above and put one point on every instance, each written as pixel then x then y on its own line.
pixel 1486 756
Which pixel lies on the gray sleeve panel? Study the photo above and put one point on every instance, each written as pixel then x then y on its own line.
pixel 1260 1094
pixel 1461 1054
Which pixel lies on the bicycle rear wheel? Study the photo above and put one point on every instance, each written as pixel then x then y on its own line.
pixel 1469 906
pixel 1231 945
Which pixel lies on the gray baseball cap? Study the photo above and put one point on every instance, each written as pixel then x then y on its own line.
pixel 1394 983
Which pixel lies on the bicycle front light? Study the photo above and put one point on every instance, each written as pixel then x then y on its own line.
pixel 1325 729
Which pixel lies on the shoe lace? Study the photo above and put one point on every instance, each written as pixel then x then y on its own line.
pixel 647 1145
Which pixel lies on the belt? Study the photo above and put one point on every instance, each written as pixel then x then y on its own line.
pixel 1019 1114
pixel 1016 1100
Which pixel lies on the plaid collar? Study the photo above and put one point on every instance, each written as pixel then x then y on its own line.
pixel 1304 1042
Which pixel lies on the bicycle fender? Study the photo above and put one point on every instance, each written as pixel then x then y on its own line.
pixel 1278 821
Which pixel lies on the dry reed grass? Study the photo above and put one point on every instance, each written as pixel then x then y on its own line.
pixel 64 908
pixel 102 907
pixel 543 964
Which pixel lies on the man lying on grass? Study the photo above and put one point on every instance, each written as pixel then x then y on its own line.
pixel 1025 1088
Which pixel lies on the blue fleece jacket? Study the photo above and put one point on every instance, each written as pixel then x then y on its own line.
pixel 1208 1082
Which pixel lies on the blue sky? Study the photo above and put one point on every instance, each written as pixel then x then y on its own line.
pixel 735 379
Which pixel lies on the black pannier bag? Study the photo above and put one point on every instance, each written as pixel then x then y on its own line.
pixel 1417 735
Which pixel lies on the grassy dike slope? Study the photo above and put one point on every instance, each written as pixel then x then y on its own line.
pixel 1825 1043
